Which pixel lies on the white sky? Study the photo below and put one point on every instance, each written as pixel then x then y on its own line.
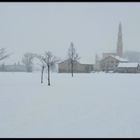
pixel 93 27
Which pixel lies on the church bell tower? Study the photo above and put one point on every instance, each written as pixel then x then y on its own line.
pixel 119 42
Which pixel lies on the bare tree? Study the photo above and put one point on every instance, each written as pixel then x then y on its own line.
pixel 50 60
pixel 72 56
pixel 27 60
pixel 3 54
pixel 41 59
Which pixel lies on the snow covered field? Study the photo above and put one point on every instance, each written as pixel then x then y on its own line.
pixel 87 105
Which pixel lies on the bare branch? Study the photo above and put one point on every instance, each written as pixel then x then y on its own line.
pixel 27 60
pixel 72 57
pixel 3 54
pixel 49 59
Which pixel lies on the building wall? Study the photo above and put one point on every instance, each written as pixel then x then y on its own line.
pixel 85 68
pixel 108 63
pixel 128 69
pixel 65 67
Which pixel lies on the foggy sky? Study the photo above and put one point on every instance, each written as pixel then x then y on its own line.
pixel 93 28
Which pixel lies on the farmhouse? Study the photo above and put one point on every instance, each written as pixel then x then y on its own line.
pixel 65 67
pixel 111 62
pixel 128 68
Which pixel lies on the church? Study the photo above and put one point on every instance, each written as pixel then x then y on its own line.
pixel 119 50
pixel 110 60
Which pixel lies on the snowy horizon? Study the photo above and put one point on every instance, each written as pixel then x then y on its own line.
pixel 93 27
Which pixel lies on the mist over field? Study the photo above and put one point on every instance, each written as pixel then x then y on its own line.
pixel 69 70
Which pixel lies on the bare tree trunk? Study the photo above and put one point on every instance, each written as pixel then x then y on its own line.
pixel 48 75
pixel 42 74
pixel 72 69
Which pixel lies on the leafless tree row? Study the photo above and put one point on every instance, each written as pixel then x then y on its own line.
pixel 47 60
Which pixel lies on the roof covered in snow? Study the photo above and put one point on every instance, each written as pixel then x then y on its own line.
pixel 86 60
pixel 119 58
pixel 81 61
pixel 65 61
pixel 128 65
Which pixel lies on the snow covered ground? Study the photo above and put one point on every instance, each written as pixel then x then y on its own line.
pixel 87 105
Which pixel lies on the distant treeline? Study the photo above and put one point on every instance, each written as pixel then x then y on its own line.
pixel 12 68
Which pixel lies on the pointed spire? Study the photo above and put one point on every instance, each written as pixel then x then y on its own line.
pixel 119 42
pixel 120 27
